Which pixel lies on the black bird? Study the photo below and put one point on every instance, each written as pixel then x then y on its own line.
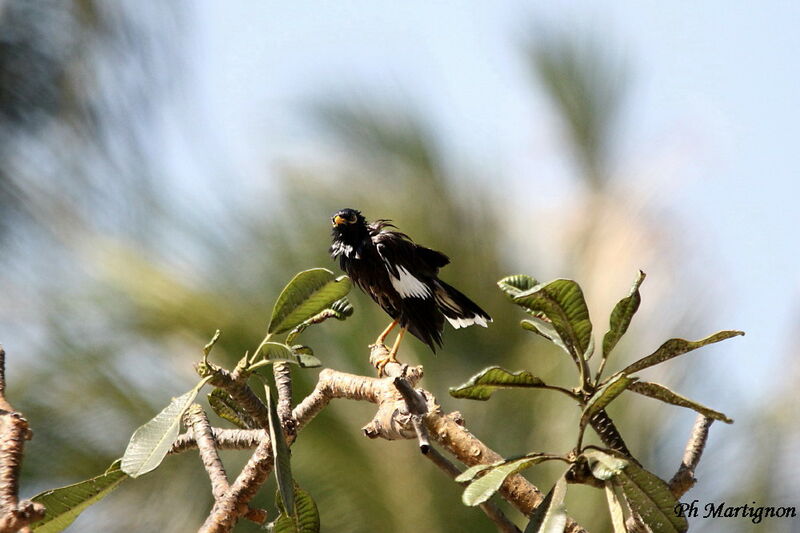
pixel 401 277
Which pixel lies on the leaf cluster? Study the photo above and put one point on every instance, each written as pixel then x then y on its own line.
pixel 557 311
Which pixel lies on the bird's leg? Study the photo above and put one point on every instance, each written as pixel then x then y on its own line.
pixel 392 353
pixel 382 337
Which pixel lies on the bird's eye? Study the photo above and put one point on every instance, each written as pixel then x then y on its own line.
pixel 352 219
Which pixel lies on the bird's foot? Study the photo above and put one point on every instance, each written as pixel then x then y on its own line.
pixel 380 364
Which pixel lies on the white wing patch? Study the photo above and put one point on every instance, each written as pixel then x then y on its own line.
pixel 466 322
pixel 407 285
pixel 444 299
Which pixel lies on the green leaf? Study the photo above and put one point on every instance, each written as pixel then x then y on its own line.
pixel 305 518
pixel 660 392
pixel 308 293
pixel 484 383
pixel 63 505
pixel 604 465
pixel 675 347
pixel 226 408
pixel 482 488
pixel 517 284
pixel 615 509
pixel 650 498
pixel 621 316
pixel 470 473
pixel 282 454
pixel 545 329
pixel 551 515
pixel 561 302
pixel 274 352
pixel 605 395
pixel 151 442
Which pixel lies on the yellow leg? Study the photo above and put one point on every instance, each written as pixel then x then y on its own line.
pixel 382 337
pixel 392 353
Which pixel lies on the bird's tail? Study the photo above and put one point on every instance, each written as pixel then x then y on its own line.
pixel 459 310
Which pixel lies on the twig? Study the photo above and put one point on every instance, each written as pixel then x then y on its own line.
pixel 235 383
pixel 15 515
pixel 491 510
pixel 283 382
pixel 225 439
pixel 196 419
pixel 418 408
pixel 234 504
pixel 684 479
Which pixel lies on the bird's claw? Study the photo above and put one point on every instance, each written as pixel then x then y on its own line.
pixel 381 364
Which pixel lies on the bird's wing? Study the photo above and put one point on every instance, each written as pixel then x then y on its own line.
pixel 410 267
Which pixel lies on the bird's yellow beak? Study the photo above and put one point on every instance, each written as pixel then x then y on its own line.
pixel 337 220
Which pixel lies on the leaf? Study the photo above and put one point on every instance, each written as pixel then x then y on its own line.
pixel 282 454
pixel 482 488
pixel 675 347
pixel 484 383
pixel 63 505
pixel 517 284
pixel 551 514
pixel 150 443
pixel 650 498
pixel 615 509
pixel 226 408
pixel 621 316
pixel 545 329
pixel 605 395
pixel 604 465
pixel 660 392
pixel 308 293
pixel 278 352
pixel 306 515
pixel 561 302
pixel 340 310
pixel 470 473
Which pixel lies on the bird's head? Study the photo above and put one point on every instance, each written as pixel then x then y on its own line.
pixel 349 225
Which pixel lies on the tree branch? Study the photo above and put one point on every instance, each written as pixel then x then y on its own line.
pixel 235 383
pixel 15 515
pixel 234 504
pixel 393 420
pixel 684 479
pixel 196 419
pixel 225 439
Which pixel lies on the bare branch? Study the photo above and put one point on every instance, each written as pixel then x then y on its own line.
pixel 234 504
pixel 14 431
pixel 196 419
pixel 417 406
pixel 684 479
pixel 226 439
